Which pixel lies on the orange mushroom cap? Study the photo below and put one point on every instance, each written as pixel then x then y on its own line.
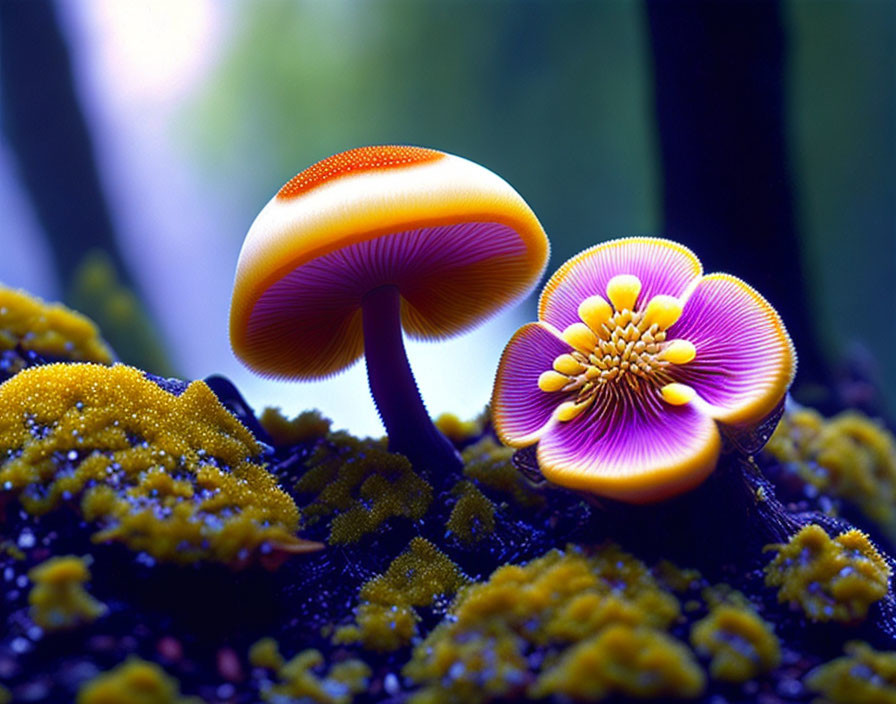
pixel 457 241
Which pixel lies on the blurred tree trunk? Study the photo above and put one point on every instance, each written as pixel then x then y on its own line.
pixel 728 190
pixel 48 135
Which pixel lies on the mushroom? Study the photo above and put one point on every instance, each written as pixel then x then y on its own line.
pixel 370 242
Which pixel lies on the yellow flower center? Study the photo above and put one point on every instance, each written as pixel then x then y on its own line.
pixel 619 350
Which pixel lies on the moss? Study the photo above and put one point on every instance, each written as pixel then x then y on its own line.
pixel 723 594
pixel 58 599
pixel 623 660
pixel 265 653
pixel 305 427
pixel 473 515
pixel 489 464
pixel 482 649
pixel 380 627
pixel 678 579
pixel 479 667
pixel 174 476
pixel 862 676
pixel 296 680
pixel 5 695
pixel 831 580
pixel 849 456
pixel 415 577
pixel 135 682
pixel 49 330
pixel 740 644
pixel 359 485
pixel 386 620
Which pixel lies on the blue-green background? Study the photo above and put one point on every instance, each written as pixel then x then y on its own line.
pixel 557 97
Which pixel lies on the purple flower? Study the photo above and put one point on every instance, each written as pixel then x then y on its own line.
pixel 636 360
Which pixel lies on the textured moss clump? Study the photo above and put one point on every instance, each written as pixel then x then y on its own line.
pixel 831 580
pixel 135 682
pixel 382 628
pixel 49 330
pixel 678 579
pixel 862 676
pixel 175 476
pixel 489 463
pixel 740 644
pixel 481 650
pixel 58 599
pixel 265 653
pixel 297 681
pixel 359 485
pixel 386 619
pixel 305 427
pixel 623 660
pixel 848 456
pixel 473 515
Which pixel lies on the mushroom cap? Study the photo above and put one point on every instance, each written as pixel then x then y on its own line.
pixel 457 241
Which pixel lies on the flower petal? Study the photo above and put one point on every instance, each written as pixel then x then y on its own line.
pixel 744 359
pixel 520 409
pixel 662 266
pixel 633 448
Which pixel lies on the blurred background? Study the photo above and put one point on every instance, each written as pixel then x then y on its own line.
pixel 140 139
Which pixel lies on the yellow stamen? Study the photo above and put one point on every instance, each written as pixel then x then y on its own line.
pixel 623 290
pixel 569 365
pixel 662 311
pixel 552 381
pixel 595 311
pixel 580 336
pixel 678 394
pixel 570 409
pixel 679 352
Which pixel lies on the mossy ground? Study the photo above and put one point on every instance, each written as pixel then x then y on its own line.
pixel 430 587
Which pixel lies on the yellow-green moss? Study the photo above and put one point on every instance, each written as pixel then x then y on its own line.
pixel 862 676
pixel 489 463
pixel 415 577
pixel 174 476
pixel 380 627
pixel 305 427
pixel 638 661
pixel 479 651
pixel 49 329
pixel 723 594
pixel 678 579
pixel 848 456
pixel 740 644
pixel 58 599
pixel 5 695
pixel 359 485
pixel 296 680
pixel 385 620
pixel 831 580
pixel 473 515
pixel 135 682
pixel 266 653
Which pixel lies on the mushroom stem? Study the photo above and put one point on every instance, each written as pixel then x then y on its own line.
pixel 409 427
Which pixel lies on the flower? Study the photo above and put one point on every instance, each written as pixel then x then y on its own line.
pixel 635 363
